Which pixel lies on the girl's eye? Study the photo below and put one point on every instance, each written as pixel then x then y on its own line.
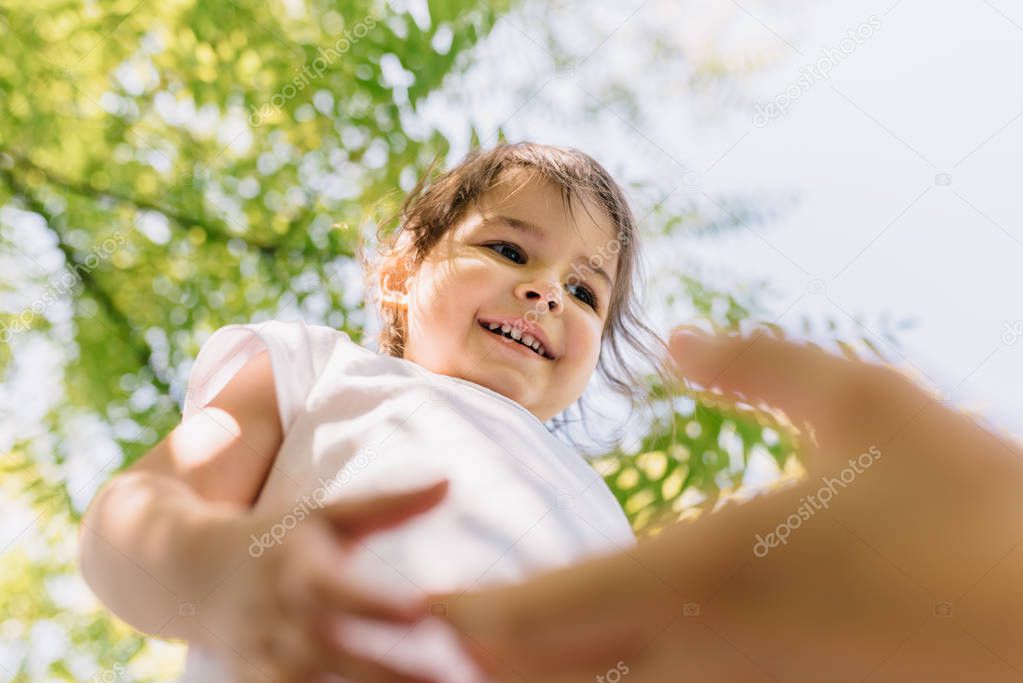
pixel 586 296
pixel 501 245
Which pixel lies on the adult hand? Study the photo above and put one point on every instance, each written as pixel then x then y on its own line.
pixel 277 617
pixel 908 571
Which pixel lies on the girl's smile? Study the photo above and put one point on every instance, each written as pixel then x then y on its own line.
pixel 517 347
pixel 520 331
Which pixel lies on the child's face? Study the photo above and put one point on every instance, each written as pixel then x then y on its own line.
pixel 469 278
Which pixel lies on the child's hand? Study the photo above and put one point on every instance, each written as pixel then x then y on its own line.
pixel 276 617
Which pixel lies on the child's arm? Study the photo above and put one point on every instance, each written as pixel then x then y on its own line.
pixel 167 546
pixel 161 534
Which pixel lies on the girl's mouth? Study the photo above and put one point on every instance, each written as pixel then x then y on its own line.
pixel 534 346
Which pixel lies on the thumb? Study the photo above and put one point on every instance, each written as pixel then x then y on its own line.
pixel 796 378
pixel 364 515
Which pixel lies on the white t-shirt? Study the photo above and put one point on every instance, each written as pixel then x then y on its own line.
pixel 357 422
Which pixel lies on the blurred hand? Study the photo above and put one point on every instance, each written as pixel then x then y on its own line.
pixel 923 513
pixel 276 618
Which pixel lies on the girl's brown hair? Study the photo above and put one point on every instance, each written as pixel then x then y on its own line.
pixel 434 207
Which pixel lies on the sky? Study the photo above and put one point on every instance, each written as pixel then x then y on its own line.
pixel 886 191
pixel 891 182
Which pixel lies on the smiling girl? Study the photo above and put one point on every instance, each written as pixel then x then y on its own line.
pixel 316 491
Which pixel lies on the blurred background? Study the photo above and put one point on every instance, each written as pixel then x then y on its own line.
pixel 848 172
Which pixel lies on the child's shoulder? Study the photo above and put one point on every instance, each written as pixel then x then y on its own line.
pixel 286 335
pixel 298 352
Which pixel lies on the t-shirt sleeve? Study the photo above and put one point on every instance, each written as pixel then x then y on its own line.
pixel 298 355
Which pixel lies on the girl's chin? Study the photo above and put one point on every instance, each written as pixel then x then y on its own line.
pixel 502 379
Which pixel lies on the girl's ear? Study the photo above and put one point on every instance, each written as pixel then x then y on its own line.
pixel 394 277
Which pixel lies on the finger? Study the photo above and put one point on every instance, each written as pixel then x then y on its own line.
pixel 581 648
pixel 562 596
pixel 332 657
pixel 329 592
pixel 786 375
pixel 362 516
pixel 565 621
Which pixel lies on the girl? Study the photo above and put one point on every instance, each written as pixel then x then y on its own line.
pixel 283 504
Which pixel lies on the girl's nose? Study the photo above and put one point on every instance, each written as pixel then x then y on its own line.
pixel 546 295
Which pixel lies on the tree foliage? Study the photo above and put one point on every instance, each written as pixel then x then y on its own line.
pixel 169 168
pixel 166 169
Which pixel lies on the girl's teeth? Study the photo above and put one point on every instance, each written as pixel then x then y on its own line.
pixel 516 334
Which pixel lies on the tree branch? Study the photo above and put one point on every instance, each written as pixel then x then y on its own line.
pixel 88 190
pixel 143 352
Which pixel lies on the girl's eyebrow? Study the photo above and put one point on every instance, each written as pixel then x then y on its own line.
pixel 538 232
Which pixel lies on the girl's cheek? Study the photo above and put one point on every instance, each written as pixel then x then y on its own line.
pixel 584 341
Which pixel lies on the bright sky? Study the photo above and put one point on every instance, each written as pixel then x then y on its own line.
pixel 893 182
pixel 891 186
